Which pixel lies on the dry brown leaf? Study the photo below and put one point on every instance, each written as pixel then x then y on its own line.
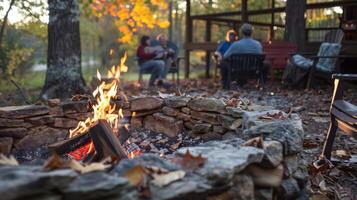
pixel 175 146
pixel 95 166
pixel 188 161
pixel 343 154
pixel 165 179
pixel 10 161
pixel 137 175
pixel 255 142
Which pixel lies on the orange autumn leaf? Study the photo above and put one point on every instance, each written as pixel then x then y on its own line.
pixel 188 161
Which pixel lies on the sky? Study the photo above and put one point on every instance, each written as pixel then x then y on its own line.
pixel 15 15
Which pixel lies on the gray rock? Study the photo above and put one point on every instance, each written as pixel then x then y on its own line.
pixel 75 107
pixel 5 145
pixel 99 185
pixel 273 154
pixel 235 112
pixel 163 124
pixel 205 116
pixel 225 158
pixel 201 128
pixel 146 103
pixel 145 160
pixel 251 118
pixel 219 129
pixel 39 136
pixel 186 110
pixel 183 116
pixel 211 136
pixel 17 133
pixel 19 112
pixel 225 120
pixel 10 123
pixel 23 182
pixel 286 132
pixel 289 189
pixel 229 135
pixel 170 111
pixel 207 104
pixel 177 101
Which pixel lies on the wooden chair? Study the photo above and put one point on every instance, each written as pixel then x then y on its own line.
pixel 174 69
pixel 342 113
pixel 244 66
pixel 333 36
pixel 278 54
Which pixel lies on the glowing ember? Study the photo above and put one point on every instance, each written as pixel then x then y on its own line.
pixel 103 109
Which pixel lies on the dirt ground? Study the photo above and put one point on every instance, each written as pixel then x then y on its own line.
pixel 340 182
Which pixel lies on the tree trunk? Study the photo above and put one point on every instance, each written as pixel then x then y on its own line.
pixel 4 22
pixel 64 75
pixel 295 22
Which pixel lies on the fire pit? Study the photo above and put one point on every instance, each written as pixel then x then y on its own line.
pixel 150 147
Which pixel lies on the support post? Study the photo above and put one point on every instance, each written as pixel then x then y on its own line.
pixel 244 11
pixel 208 53
pixel 272 21
pixel 170 20
pixel 188 37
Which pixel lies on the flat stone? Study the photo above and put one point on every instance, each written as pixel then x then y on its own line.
pixel 211 135
pixel 5 145
pixel 19 112
pixel 235 112
pixel 289 189
pixel 201 128
pixel 189 125
pixel 229 135
pixel 17 133
pixel 40 120
pixel 65 123
pixel 145 160
pixel 53 102
pixel 56 111
pixel 99 185
pixel 286 132
pixel 146 103
pixel 186 110
pixel 265 177
pixel 143 113
pixel 75 107
pixel 225 158
pixel 219 129
pixel 163 124
pixel 4 122
pixel 229 122
pixel 252 118
pixel 207 104
pixel 205 116
pixel 27 182
pixel 136 122
pixel 79 116
pixel 257 107
pixel 40 136
pixel 177 101
pixel 183 116
pixel 170 111
pixel 273 154
pixel 291 163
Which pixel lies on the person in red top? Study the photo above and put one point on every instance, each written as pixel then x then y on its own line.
pixel 149 61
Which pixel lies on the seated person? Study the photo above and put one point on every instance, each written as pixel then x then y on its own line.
pixel 231 36
pixel 246 45
pixel 150 60
pixel 167 50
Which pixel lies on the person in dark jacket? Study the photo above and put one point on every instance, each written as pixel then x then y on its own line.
pixel 148 61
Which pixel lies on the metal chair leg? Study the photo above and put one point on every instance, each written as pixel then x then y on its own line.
pixel 331 134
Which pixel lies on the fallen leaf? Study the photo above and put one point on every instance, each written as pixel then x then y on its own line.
pixel 54 162
pixel 254 142
pixel 188 161
pixel 136 176
pixel 175 146
pixel 95 166
pixel 309 143
pixel 10 161
pixel 342 154
pixel 165 179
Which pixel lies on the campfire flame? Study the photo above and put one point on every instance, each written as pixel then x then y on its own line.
pixel 103 109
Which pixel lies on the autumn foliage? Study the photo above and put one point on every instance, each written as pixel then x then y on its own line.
pixel 130 15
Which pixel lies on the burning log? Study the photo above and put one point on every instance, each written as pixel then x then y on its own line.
pixel 105 142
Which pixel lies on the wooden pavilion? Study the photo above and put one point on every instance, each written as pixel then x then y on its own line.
pixel 233 19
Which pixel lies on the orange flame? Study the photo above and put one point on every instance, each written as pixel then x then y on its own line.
pixel 103 109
